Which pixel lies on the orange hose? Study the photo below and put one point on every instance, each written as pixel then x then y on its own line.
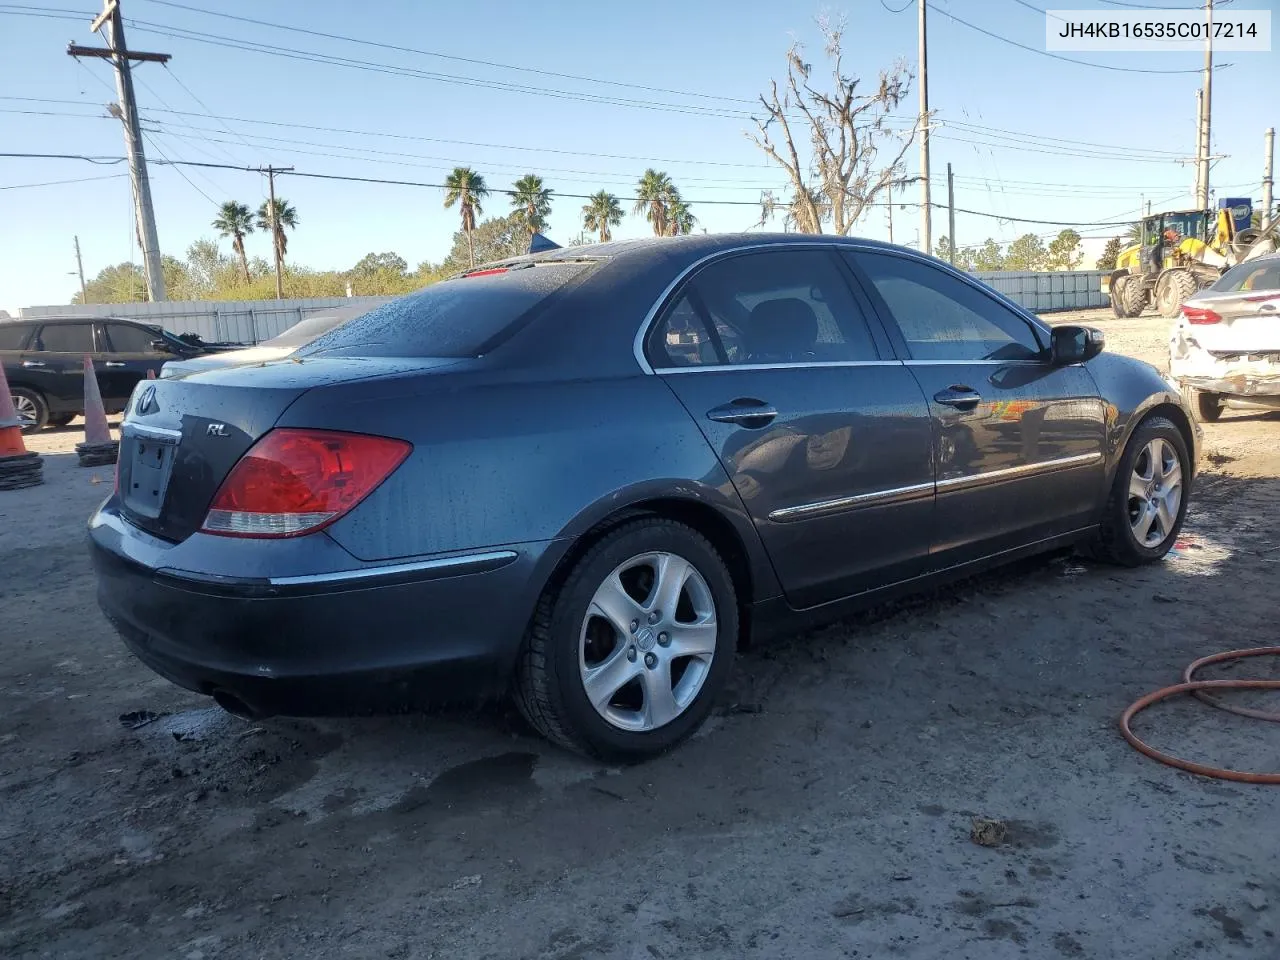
pixel 1197 688
pixel 1189 676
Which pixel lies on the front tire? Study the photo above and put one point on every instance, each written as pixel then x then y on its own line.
pixel 1148 501
pixel 1173 290
pixel 625 659
pixel 1209 406
pixel 33 412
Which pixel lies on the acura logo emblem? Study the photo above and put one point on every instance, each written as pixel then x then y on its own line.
pixel 147 402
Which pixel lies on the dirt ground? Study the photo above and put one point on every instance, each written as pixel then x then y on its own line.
pixel 825 811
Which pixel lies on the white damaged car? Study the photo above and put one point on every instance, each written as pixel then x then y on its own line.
pixel 1225 350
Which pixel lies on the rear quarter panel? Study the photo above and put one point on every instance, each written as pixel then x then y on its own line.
pixel 501 462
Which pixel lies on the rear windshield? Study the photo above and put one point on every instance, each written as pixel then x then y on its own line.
pixel 463 317
pixel 1254 275
pixel 312 327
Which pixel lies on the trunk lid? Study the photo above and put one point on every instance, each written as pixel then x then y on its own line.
pixel 182 435
pixel 1250 322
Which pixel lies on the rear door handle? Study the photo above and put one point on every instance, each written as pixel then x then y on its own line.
pixel 959 396
pixel 746 411
pixel 34 363
pixel 113 363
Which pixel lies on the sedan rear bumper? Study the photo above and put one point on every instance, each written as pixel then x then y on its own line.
pixel 370 639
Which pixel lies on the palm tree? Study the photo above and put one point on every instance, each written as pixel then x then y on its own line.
pixel 466 188
pixel 680 219
pixel 601 212
pixel 235 220
pixel 532 202
pixel 653 195
pixel 275 222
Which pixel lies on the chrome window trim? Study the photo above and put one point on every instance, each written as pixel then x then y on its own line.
pixel 469 563
pixel 637 344
pixel 804 511
pixel 721 367
pixel 1026 362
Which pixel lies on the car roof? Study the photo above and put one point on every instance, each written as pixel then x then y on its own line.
pixel 690 248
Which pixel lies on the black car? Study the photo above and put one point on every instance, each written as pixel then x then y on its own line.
pixel 44 363
pixel 584 476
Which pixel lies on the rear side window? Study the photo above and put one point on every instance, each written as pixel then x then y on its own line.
pixel 127 339
pixel 463 317
pixel 67 338
pixel 13 336
pixel 944 318
pixel 776 307
pixel 1243 277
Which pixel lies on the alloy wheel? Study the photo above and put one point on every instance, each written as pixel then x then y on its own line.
pixel 1155 493
pixel 647 641
pixel 25 408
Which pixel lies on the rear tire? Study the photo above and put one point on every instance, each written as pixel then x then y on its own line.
pixel 1140 523
pixel 33 412
pixel 637 676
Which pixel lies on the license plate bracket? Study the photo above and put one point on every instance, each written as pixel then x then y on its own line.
pixel 150 465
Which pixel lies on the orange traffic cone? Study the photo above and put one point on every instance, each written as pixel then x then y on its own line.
pixel 98 449
pixel 18 467
pixel 151 374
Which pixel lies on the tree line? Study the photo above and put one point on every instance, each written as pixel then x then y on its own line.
pixel 1027 252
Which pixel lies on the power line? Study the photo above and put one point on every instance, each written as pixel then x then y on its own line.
pixel 55 183
pixel 568 196
pixel 448 56
pixel 292 53
pixel 175 164
pixel 1046 53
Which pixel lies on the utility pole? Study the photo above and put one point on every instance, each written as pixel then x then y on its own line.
pixel 1203 143
pixel 926 208
pixel 951 216
pixel 121 56
pixel 271 172
pixel 891 214
pixel 1268 159
pixel 84 291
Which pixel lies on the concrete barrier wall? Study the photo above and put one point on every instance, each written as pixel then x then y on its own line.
pixel 1045 292
pixel 252 321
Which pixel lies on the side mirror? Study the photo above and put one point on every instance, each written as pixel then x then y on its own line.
pixel 1074 344
pixel 161 346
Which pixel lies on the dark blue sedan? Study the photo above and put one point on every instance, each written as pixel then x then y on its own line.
pixel 583 477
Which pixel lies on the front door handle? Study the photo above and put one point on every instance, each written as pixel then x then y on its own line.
pixel 959 396
pixel 34 363
pixel 746 411
pixel 113 363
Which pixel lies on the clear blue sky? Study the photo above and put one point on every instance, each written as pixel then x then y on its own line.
pixel 719 48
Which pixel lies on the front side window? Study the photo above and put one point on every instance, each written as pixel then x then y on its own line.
pixel 127 339
pixel 771 307
pixel 67 338
pixel 944 318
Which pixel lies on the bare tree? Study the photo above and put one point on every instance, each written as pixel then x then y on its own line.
pixel 846 131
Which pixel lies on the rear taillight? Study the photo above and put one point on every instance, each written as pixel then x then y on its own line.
pixel 295 481
pixel 1200 315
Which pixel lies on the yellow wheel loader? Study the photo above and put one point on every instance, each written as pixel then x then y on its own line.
pixel 1182 251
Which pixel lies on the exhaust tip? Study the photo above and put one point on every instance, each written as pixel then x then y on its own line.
pixel 235 706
